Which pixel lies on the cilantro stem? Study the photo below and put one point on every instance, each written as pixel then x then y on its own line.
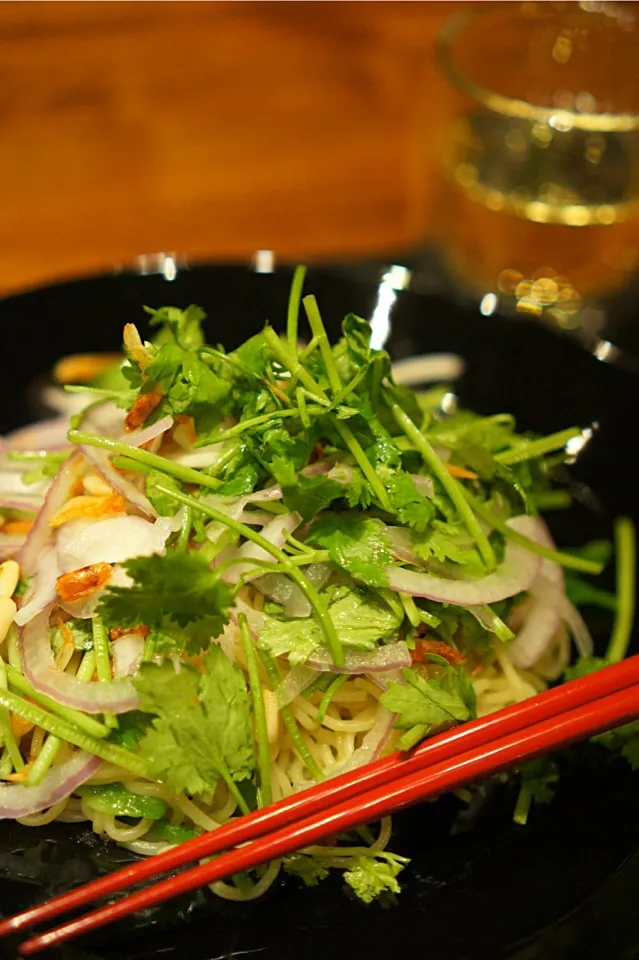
pixel 292 315
pixel 185 530
pixel 564 559
pixel 528 449
pixel 102 659
pixel 285 561
pixel 19 684
pixel 365 465
pixel 42 763
pixel 188 474
pixel 258 421
pixel 125 463
pixel 453 488
pixel 297 739
pixel 292 363
pixel 345 432
pixel 331 690
pixel 522 807
pixel 47 456
pixel 552 500
pixel 319 332
pixel 625 558
pixel 265 794
pixel 232 786
pixel 6 732
pixel 71 734
pixel 412 737
pixel 303 409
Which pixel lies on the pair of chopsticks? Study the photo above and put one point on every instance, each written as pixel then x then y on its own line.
pixel 561 716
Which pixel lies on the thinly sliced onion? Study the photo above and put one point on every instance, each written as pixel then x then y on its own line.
pixel 542 619
pixel 317 468
pixel 390 656
pixel 39 667
pixel 424 485
pixel 518 570
pixel 401 541
pixel 553 597
pixel 127 654
pixel 275 532
pixel 26 504
pixel 42 590
pixel 17 800
pixel 428 368
pixel 138 438
pixel 295 682
pixel 201 456
pixel 12 484
pixel 41 533
pixel 383 679
pixel 280 587
pixel 44 435
pixel 372 744
pixel 9 546
pixel 81 543
pixel 100 459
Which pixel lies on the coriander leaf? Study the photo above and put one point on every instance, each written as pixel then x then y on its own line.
pixel 623 739
pixel 370 876
pixel 177 594
pixel 80 632
pixel 202 727
pixel 356 543
pixel 188 385
pixel 307 496
pixel 583 668
pixel 242 482
pixel 308 868
pixel 445 541
pixel 425 703
pixel 166 506
pixel 361 618
pixel 358 492
pixel 114 798
pixel 253 355
pixel 183 327
pixel 538 777
pixel 412 507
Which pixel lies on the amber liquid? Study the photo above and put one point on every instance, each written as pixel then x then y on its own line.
pixel 524 205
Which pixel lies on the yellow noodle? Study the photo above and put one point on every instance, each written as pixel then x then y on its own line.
pixel 230 892
pixel 122 832
pixel 39 819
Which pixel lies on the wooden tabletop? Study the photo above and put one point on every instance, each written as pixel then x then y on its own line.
pixel 213 129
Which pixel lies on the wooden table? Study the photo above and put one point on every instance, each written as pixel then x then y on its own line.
pixel 213 129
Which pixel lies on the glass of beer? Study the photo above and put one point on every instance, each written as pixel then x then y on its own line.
pixel 539 205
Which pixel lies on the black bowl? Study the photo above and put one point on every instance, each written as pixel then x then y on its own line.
pixel 563 886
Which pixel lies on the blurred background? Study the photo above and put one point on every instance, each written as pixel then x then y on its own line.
pixel 492 147
pixel 211 129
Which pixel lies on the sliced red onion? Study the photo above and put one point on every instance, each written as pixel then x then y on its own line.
pixel 44 435
pixel 206 456
pixel 274 492
pixel 10 546
pixel 341 473
pixel 428 368
pixel 275 532
pixel 372 744
pixel 41 533
pixel 39 667
pixel 553 597
pixel 280 587
pixel 294 683
pixel 100 460
pixel 42 587
pixel 401 542
pixel 105 418
pixel 543 619
pixel 424 485
pixel 255 518
pixel 127 654
pixel 390 656
pixel 317 468
pixel 138 438
pixel 254 617
pixel 25 504
pixel 226 640
pixel 518 570
pixel 81 543
pixel 383 679
pixel 18 800
pixel 13 486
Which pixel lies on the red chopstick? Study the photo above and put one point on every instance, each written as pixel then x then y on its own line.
pixel 567 713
